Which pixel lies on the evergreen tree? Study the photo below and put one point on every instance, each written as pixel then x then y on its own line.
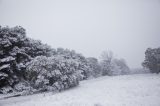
pixel 152 60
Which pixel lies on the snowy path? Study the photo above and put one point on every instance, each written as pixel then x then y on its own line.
pixel 127 90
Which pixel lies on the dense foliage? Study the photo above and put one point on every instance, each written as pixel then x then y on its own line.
pixel 29 65
pixel 56 73
pixel 19 54
pixel 94 67
pixel 152 60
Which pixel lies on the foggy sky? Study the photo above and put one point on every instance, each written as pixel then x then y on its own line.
pixel 126 27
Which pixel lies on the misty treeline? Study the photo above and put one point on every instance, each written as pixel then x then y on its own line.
pixel 29 66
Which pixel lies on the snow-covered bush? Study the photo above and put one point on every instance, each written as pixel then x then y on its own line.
pixel 24 88
pixel 56 73
pixel 83 67
pixel 94 67
pixel 6 89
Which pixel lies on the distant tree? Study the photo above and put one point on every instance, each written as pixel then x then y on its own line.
pixel 94 67
pixel 113 66
pixel 106 62
pixel 152 60
pixel 120 67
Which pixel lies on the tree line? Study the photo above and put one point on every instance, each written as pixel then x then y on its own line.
pixel 29 66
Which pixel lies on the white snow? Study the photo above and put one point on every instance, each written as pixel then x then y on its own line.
pixel 7 59
pixel 4 66
pixel 126 90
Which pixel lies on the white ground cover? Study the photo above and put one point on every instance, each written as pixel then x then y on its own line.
pixel 126 90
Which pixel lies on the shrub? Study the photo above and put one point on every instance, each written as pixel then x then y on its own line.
pixel 56 73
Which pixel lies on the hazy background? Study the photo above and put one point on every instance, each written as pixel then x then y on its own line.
pixel 126 27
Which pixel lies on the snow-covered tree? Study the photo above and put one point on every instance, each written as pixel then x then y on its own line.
pixel 152 60
pixel 18 52
pixel 37 48
pixel 121 67
pixel 15 51
pixel 106 62
pixel 94 67
pixel 83 67
pixel 113 66
pixel 56 73
pixel 11 41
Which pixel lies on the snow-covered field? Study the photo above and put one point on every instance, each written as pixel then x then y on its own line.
pixel 127 90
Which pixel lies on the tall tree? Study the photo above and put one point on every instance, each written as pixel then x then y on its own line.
pixel 152 60
pixel 106 62
pixel 15 51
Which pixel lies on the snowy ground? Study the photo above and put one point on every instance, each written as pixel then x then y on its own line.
pixel 127 90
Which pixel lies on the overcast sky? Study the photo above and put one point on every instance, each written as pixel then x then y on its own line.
pixel 126 27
